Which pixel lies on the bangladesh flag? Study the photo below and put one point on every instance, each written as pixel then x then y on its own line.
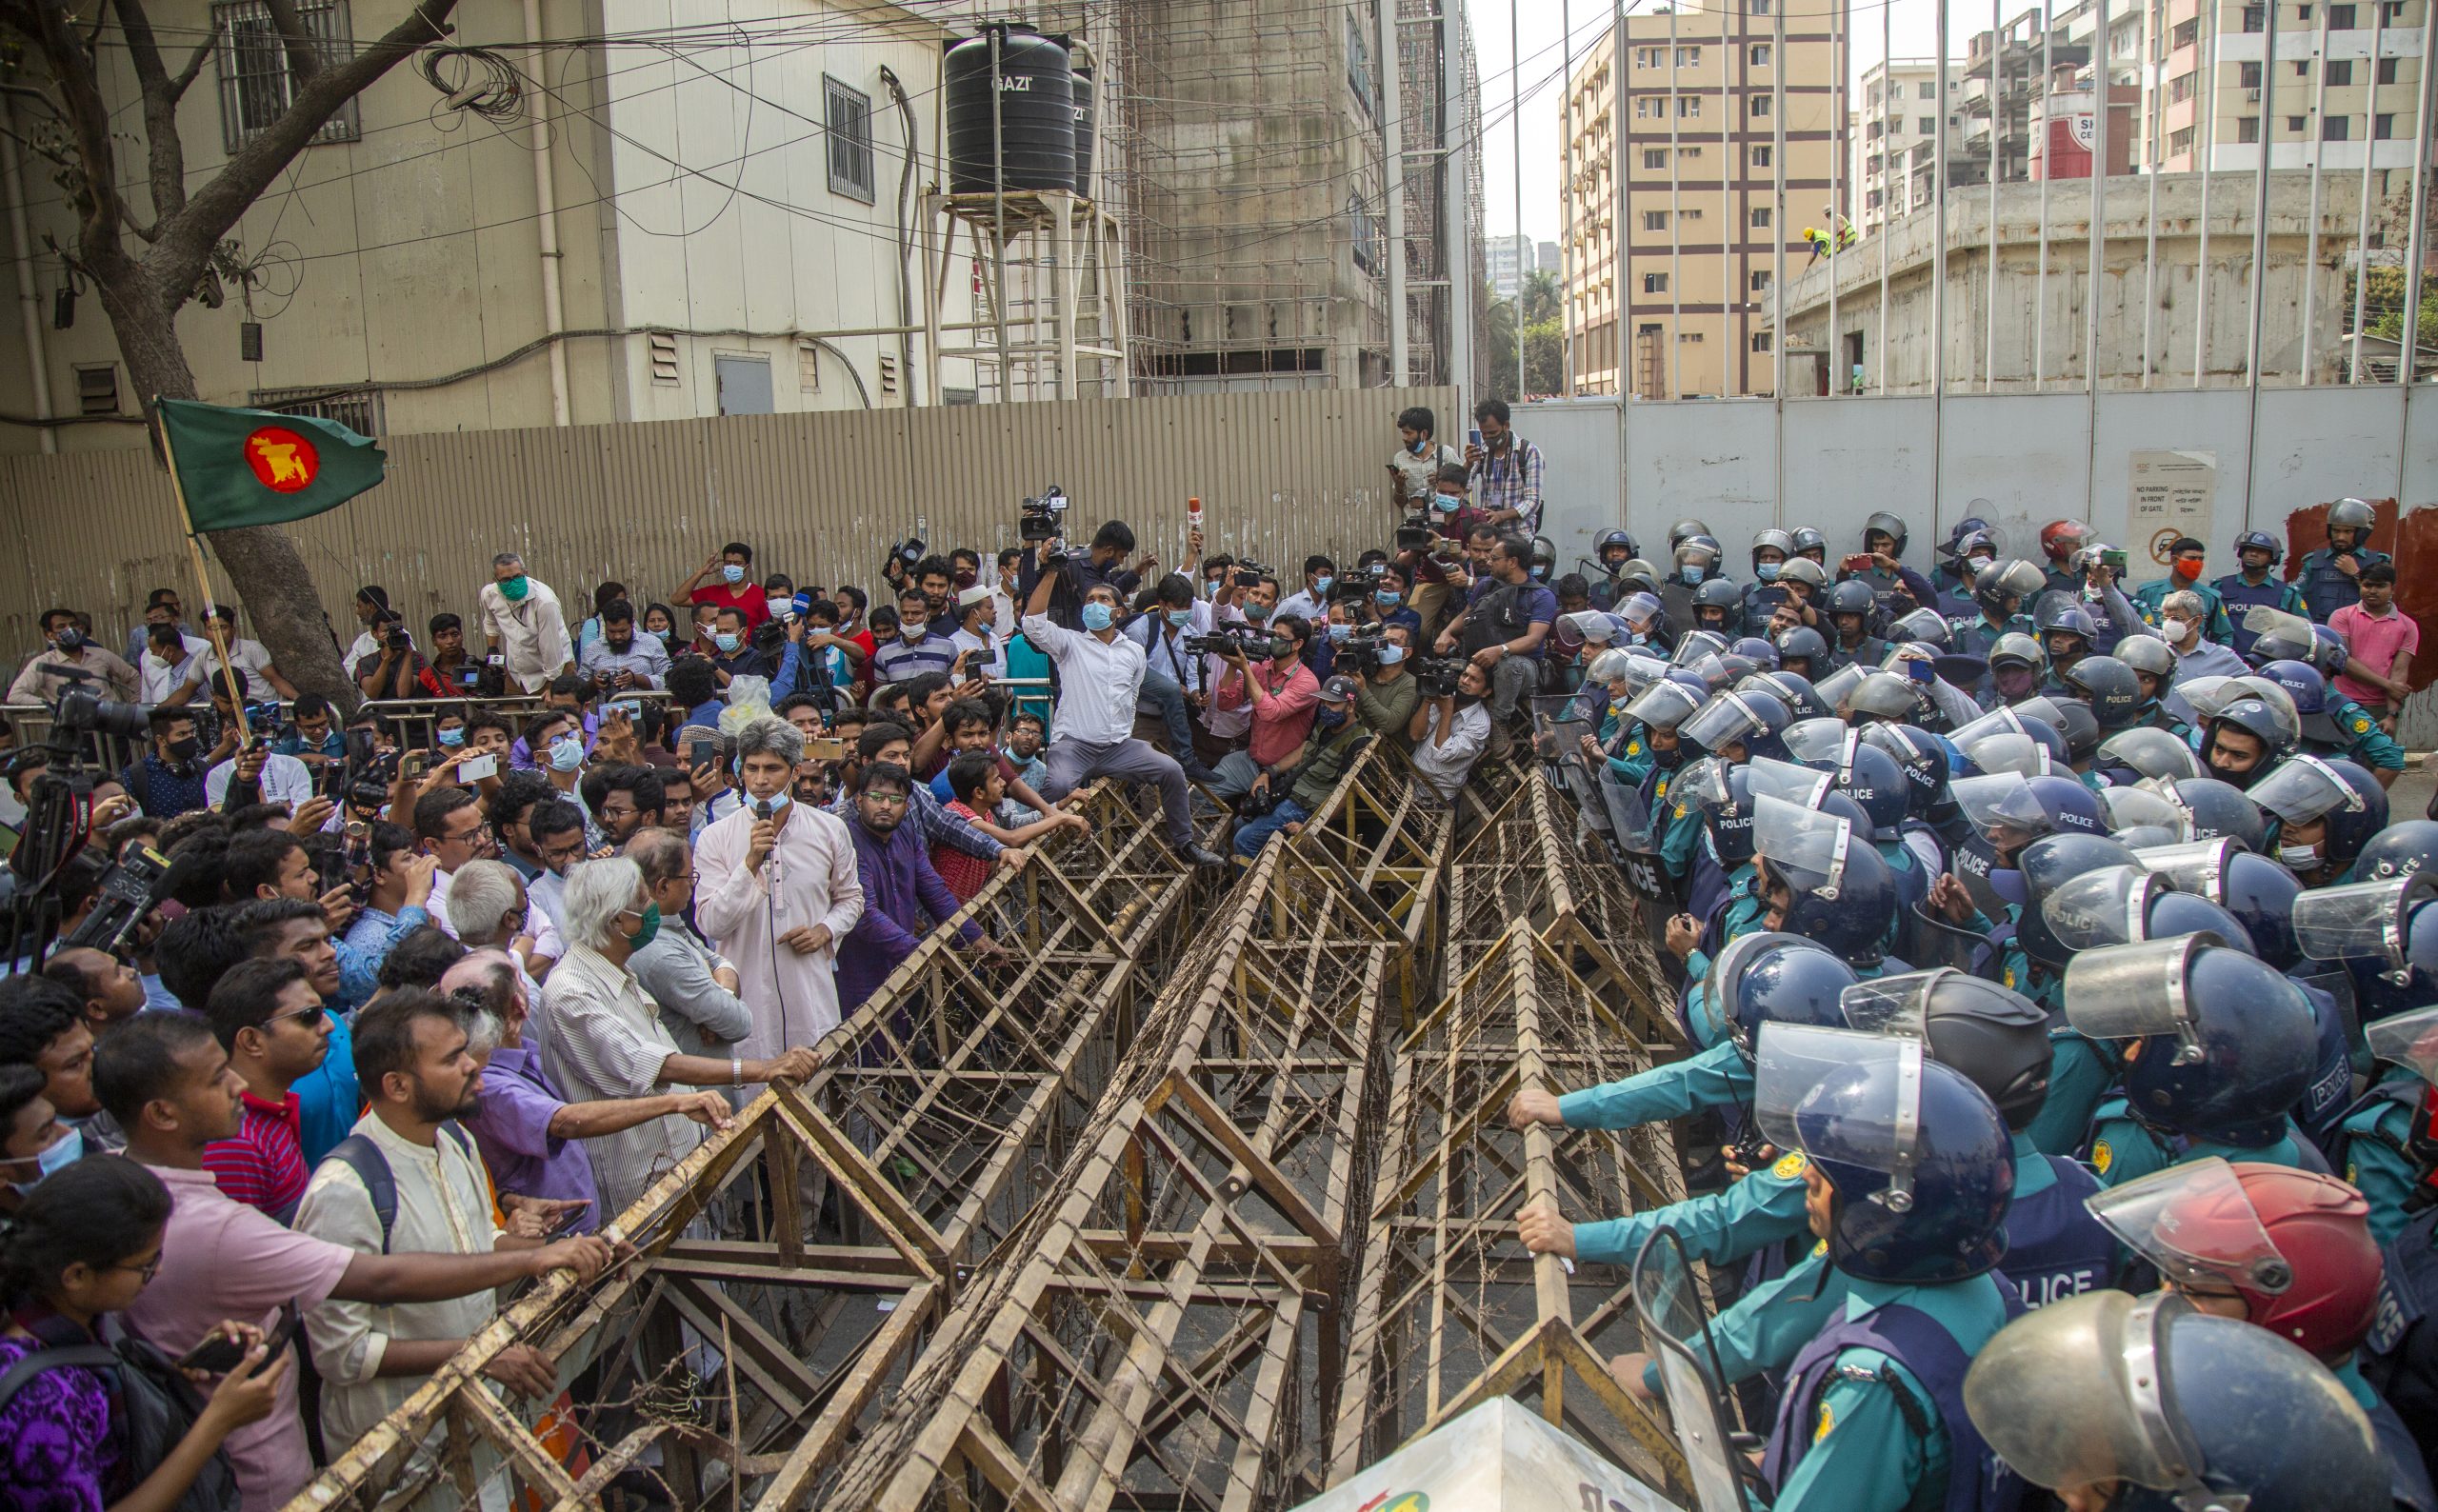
pixel 252 467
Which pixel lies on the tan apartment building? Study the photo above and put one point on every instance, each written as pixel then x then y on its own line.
pixel 1719 128
pixel 2346 84
pixel 1897 108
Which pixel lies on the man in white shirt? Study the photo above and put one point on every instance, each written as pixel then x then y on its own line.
pixel 1449 731
pixel 977 634
pixel 525 625
pixel 283 778
pixel 1312 599
pixel 264 682
pixel 1100 675
pixel 1175 683
pixel 172 668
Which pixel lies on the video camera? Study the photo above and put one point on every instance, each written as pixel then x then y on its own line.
pixel 1361 649
pixel 1438 675
pixel 59 818
pixel 1357 587
pixel 900 559
pixel 1415 533
pixel 1043 518
pixel 1247 572
pixel 1229 638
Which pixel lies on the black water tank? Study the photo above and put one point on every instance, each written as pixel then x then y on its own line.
pixel 1084 132
pixel 1036 104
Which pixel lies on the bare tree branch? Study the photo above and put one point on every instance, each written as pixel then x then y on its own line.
pixel 71 62
pixel 304 51
pixel 168 148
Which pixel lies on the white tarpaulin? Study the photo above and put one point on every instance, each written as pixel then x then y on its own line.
pixel 1501 1456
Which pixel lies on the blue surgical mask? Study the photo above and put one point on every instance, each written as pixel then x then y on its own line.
pixel 1321 584
pixel 1446 503
pixel 65 1153
pixel 1391 654
pixel 725 642
pixel 1767 571
pixel 1386 598
pixel 567 753
pixel 1416 445
pixel 1538 571
pixel 452 737
pixel 732 573
pixel 1180 618
pixel 1339 632
pixel 1257 612
pixel 1098 616
pixel 1330 717
pixel 778 801
pixel 1689 576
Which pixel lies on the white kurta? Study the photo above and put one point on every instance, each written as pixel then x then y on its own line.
pixel 809 879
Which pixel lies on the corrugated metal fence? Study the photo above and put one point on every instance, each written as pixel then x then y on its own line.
pixel 821 496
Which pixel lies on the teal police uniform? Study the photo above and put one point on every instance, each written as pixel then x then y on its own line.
pixel 2122 1150
pixel 2378 1142
pixel 1714 1078
pixel 1764 1208
pixel 2364 742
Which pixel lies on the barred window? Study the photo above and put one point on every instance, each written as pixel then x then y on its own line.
pixel 256 84
pixel 849 119
pixel 359 409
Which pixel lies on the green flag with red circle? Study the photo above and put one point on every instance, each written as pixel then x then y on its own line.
pixel 253 466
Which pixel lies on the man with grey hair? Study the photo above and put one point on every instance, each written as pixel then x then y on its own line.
pixel 777 890
pixel 486 907
pixel 695 986
pixel 606 1038
pixel 2182 616
pixel 534 1142
pixel 525 625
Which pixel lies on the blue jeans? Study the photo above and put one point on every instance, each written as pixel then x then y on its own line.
pixel 1161 693
pixel 1253 834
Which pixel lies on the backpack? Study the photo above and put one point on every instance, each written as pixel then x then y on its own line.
pixel 152 1407
pixel 359 1154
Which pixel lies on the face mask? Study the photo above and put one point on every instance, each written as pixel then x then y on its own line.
pixel 912 630
pixel 1098 616
pixel 725 642
pixel 779 607
pixel 2091 595
pixel 732 573
pixel 1972 565
pixel 1391 654
pixel 778 801
pixel 1689 576
pixel 1386 598
pixel 1668 760
pixel 1329 718
pixel 1539 571
pixel 651 926
pixel 1339 632
pixel 2175 630
pixel 1767 571
pixel 516 588
pixel 70 638
pixel 2299 858
pixel 1257 613
pixel 2189 572
pixel 1321 584
pixel 1180 618
pixel 452 737
pixel 669 642
pixel 1446 503
pixel 1280 646
pixel 2013 682
pixel 65 1153
pixel 567 753
pixel 183 748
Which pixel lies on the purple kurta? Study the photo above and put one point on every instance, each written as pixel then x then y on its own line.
pixel 513 1132
pixel 903 898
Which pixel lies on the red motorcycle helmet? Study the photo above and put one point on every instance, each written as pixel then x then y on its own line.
pixel 2293 1246
pixel 2060 539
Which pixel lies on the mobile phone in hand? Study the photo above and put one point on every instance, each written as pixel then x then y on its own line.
pixel 474 768
pixel 219 1354
pixel 1860 562
pixel 568 1219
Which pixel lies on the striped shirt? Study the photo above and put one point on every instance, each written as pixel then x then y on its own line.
pixel 964 874
pixel 1510 480
pixel 897 659
pixel 264 1165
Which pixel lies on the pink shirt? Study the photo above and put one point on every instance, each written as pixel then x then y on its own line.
pixel 223 1260
pixel 2376 641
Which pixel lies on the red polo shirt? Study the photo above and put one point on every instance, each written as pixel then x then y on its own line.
pixel 746 597
pixel 264 1165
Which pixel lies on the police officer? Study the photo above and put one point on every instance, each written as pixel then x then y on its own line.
pixel 2062 542
pixel 2066 633
pixel 2286 1251
pixel 1654 751
pixel 1895 588
pixel 1717 607
pixel 2333 725
pixel 2243 741
pixel 1694 560
pixel 2213 1062
pixel 1999 593
pixel 1804 651
pixel 2184 576
pixel 2327 576
pixel 1822 880
pixel 1725 899
pixel 2108 688
pixel 1968 537
pixel 2258 552
pixel 1851 607
pixel 2153 663
pixel 2149 1404
pixel 1610 553
pixel 2327 809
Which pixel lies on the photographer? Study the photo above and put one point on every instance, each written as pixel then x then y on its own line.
pixel 1281 694
pixel 1449 731
pixel 452 671
pixel 1173 678
pixel 1100 677
pixel 1505 621
pixel 1337 738
pixel 620 661
pixel 395 669
pixel 1312 601
pixel 1420 455
pixel 734 652
pixel 1388 606
pixel 1386 694
pixel 1076 576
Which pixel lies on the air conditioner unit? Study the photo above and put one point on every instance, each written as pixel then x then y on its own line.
pixel 2252 96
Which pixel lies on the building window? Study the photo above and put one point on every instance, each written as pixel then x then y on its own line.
pixel 2384 128
pixel 2186 35
pixel 1761 215
pixel 1757 105
pixel 358 409
pixel 1654 219
pixel 1756 8
pixel 2386 70
pixel 1654 157
pixel 1759 54
pixel 1761 156
pixel 1641 107
pixel 1650 57
pixel 2302 71
pixel 2180 88
pixel 1363 232
pixel 1688 215
pixel 1760 341
pixel 1871 163
pixel 1694 336
pixel 1689 57
pixel 2395 10
pixel 2247 74
pixel 2179 142
pixel 2255 18
pixel 1873 134
pixel 1929 125
pixel 2301 13
pixel 2340 18
pixel 850 132
pixel 2334 128
pixel 1760 279
pixel 256 84
pixel 1688 106
pixel 2294 125
pixel 1871 200
pixel 2248 129
pixel 1654 282
pixel 1688 152
pixel 2340 71
pixel 97 389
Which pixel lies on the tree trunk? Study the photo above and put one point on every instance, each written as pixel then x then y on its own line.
pixel 262 560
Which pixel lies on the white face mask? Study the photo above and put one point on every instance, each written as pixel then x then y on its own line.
pixel 2299 858
pixel 2176 630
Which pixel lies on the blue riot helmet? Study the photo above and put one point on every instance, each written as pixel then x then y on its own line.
pixel 1927 760
pixel 1921 627
pixel 2149 656
pixel 2407 846
pixel 1717 604
pixel 2069 806
pixel 2387 931
pixel 2138 817
pixel 1695 645
pixel 1684 529
pixel 2008 811
pixel 1754 720
pixel 2065 629
pixel 2329 652
pixel 2000 589
pixel 2078 728
pixel 1609 540
pixel 2260 540
pixel 1918 1160
pixel 1667 703
pixel 2230 756
pixel 2122 903
pixel 1837 890
pixel 2174 1408
pixel 2255 889
pixel 1997 1037
pixel 1871 778
pixel 1810 542
pixel 1790 689
pixel 2227 1045
pixel 1803 643
pixel 2277 635
pixel 1757 650
pixel 2130 755
pixel 2173 913
pixel 2043 868
pixel 2328 808
pixel 2214 809
pixel 2303 684
pixel 1851 812
pixel 1696 559
pixel 1726 793
pixel 1960 538
pixel 2109 687
pixel 1739 666
pixel 1777 978
pixel 1820 743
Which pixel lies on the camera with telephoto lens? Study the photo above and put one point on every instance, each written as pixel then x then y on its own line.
pixel 1043 518
pixel 1415 533
pixel 1229 637
pixel 1438 675
pixel 79 712
pixel 1357 587
pixel 1361 649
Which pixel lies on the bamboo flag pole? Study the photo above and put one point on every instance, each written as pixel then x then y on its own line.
pixel 203 579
